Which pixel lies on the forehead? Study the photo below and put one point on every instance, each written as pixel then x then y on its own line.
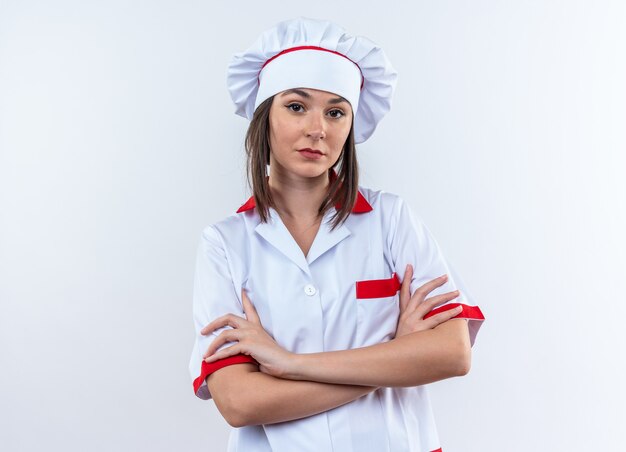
pixel 310 93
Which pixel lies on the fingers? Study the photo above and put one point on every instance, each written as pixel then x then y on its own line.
pixel 427 288
pixel 445 315
pixel 405 289
pixel 234 320
pixel 424 290
pixel 430 303
pixel 228 319
pixel 225 353
pixel 224 337
pixel 249 308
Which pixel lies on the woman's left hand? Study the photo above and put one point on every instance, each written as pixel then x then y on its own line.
pixel 252 339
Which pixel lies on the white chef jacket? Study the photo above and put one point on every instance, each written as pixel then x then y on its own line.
pixel 344 294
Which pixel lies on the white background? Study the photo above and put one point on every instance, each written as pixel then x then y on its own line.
pixel 118 144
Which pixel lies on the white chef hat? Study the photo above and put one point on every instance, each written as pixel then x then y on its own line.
pixel 317 54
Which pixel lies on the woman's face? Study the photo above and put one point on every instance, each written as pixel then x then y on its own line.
pixel 304 118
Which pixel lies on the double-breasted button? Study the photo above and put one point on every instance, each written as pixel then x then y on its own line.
pixel 310 290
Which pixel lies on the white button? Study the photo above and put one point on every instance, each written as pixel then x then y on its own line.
pixel 310 289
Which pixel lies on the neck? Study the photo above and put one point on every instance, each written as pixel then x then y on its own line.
pixel 298 197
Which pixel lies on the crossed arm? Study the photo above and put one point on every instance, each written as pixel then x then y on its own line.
pixel 323 381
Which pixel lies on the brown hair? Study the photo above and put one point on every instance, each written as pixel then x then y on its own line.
pixel 342 191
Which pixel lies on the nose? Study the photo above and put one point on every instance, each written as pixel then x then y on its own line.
pixel 315 127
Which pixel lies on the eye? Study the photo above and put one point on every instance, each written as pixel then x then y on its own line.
pixel 294 105
pixel 341 113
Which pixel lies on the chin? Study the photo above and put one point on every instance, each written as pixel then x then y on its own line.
pixel 299 168
pixel 310 171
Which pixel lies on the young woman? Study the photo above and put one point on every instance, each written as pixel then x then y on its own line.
pixel 322 308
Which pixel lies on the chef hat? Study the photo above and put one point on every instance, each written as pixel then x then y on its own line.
pixel 317 54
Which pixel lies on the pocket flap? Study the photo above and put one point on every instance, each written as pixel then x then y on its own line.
pixel 378 288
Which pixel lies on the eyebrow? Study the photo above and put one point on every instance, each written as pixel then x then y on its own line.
pixel 306 95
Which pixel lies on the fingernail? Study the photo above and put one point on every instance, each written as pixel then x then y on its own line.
pixel 444 276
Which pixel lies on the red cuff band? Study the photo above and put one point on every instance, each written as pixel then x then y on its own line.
pixel 208 368
pixel 468 312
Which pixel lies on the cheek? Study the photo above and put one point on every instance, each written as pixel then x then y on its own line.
pixel 284 130
pixel 342 136
pixel 277 133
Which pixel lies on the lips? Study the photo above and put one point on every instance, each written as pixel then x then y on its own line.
pixel 311 150
pixel 311 154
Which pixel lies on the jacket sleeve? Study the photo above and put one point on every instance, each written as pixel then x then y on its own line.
pixel 214 295
pixel 411 242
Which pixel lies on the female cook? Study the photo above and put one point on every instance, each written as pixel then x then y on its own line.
pixel 322 308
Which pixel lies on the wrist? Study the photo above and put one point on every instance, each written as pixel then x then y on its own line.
pixel 295 366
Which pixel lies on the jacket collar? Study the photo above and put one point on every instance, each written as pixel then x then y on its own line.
pixel 360 206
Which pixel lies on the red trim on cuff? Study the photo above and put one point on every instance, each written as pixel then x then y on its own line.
pixel 378 288
pixel 468 312
pixel 438 450
pixel 208 368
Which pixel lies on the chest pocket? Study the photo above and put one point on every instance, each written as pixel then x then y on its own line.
pixel 378 308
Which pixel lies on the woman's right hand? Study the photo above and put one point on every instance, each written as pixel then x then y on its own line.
pixel 414 307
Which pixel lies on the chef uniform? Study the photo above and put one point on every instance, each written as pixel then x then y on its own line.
pixel 344 293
